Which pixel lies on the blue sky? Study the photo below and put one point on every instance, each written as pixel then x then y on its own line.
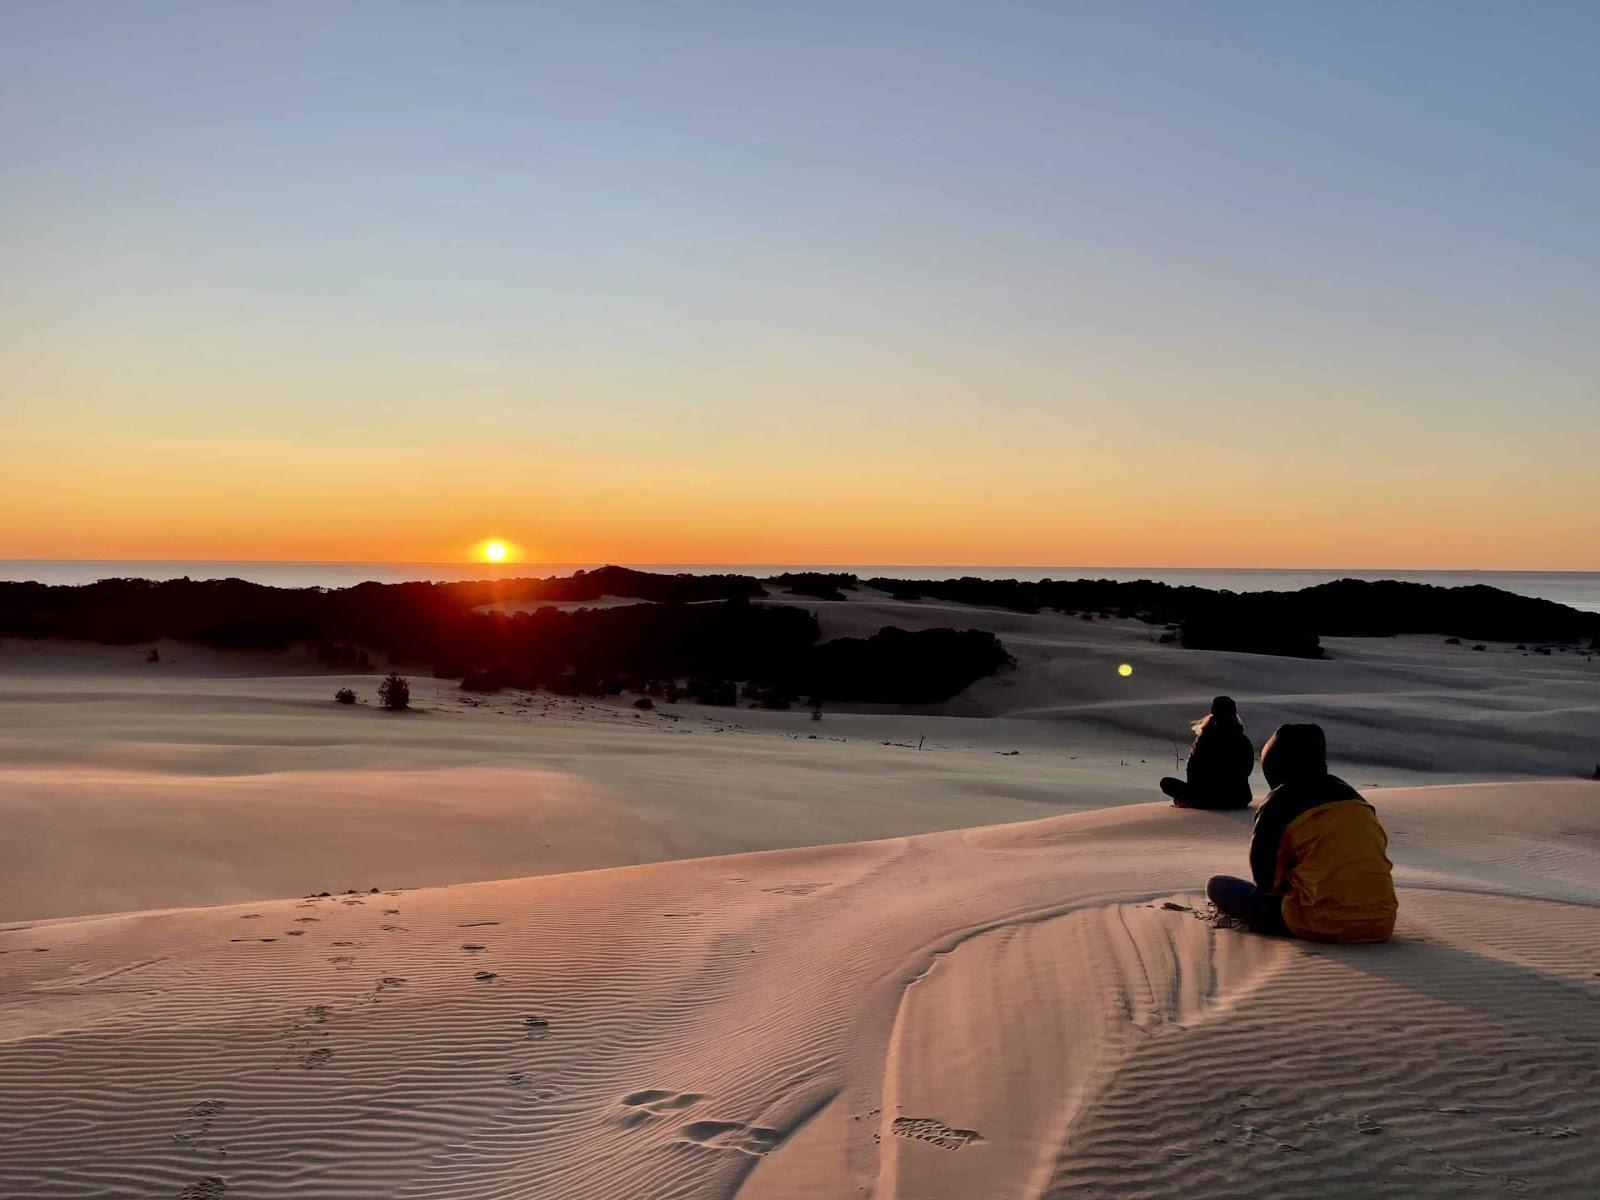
pixel 1095 267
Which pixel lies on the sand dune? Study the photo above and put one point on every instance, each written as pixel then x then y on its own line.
pixel 1019 1010
pixel 212 777
pixel 944 953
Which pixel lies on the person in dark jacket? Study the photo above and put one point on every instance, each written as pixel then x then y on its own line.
pixel 1318 856
pixel 1220 762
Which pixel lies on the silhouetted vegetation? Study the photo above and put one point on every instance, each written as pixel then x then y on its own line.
pixel 345 696
pixel 699 629
pixel 817 584
pixel 706 630
pixel 1278 622
pixel 394 693
pixel 895 666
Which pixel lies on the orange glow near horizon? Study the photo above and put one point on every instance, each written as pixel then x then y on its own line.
pixel 1057 501
pixel 494 550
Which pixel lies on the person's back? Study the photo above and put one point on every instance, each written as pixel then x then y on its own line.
pixel 1319 855
pixel 1318 844
pixel 1220 762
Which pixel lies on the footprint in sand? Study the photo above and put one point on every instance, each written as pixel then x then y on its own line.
pixel 305 920
pixel 319 1057
pixel 473 947
pixel 795 889
pixel 197 1120
pixel 475 924
pixel 484 976
pixel 732 1135
pixel 935 1133
pixel 212 1187
pixel 650 1103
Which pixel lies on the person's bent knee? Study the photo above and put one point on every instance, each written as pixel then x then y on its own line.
pixel 1216 887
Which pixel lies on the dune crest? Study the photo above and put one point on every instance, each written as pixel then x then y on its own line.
pixel 1012 1033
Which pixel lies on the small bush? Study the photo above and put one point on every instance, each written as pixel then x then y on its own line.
pixel 394 693
pixel 345 696
pixel 644 702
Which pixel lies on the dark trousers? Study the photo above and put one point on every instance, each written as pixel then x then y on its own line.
pixel 1186 795
pixel 1244 901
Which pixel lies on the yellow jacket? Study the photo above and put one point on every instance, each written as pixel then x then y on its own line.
pixel 1319 845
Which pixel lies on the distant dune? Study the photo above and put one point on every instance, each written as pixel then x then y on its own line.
pixel 214 776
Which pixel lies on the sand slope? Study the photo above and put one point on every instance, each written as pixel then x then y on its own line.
pixel 212 776
pixel 1002 1012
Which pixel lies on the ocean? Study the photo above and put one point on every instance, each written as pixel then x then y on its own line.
pixel 1580 589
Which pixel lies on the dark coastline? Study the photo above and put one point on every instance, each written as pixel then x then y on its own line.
pixel 712 630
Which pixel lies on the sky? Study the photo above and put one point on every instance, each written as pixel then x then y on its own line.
pixel 1227 284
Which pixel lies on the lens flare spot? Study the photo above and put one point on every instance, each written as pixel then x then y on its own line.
pixel 1125 670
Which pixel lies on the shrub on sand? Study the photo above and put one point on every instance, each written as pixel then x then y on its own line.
pixel 345 696
pixel 394 693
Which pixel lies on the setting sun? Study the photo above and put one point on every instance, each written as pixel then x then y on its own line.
pixel 495 551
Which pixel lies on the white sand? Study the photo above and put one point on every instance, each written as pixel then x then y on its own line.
pixel 1004 1012
pixel 212 777
pixel 996 1012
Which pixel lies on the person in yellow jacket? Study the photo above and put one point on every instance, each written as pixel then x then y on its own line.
pixel 1318 854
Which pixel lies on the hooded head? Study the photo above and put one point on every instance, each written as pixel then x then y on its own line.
pixel 1295 753
pixel 1224 715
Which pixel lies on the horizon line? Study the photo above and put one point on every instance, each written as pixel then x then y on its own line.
pixel 816 566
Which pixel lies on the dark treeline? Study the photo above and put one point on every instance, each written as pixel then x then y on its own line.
pixel 819 585
pixel 701 628
pixel 1279 622
pixel 705 627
